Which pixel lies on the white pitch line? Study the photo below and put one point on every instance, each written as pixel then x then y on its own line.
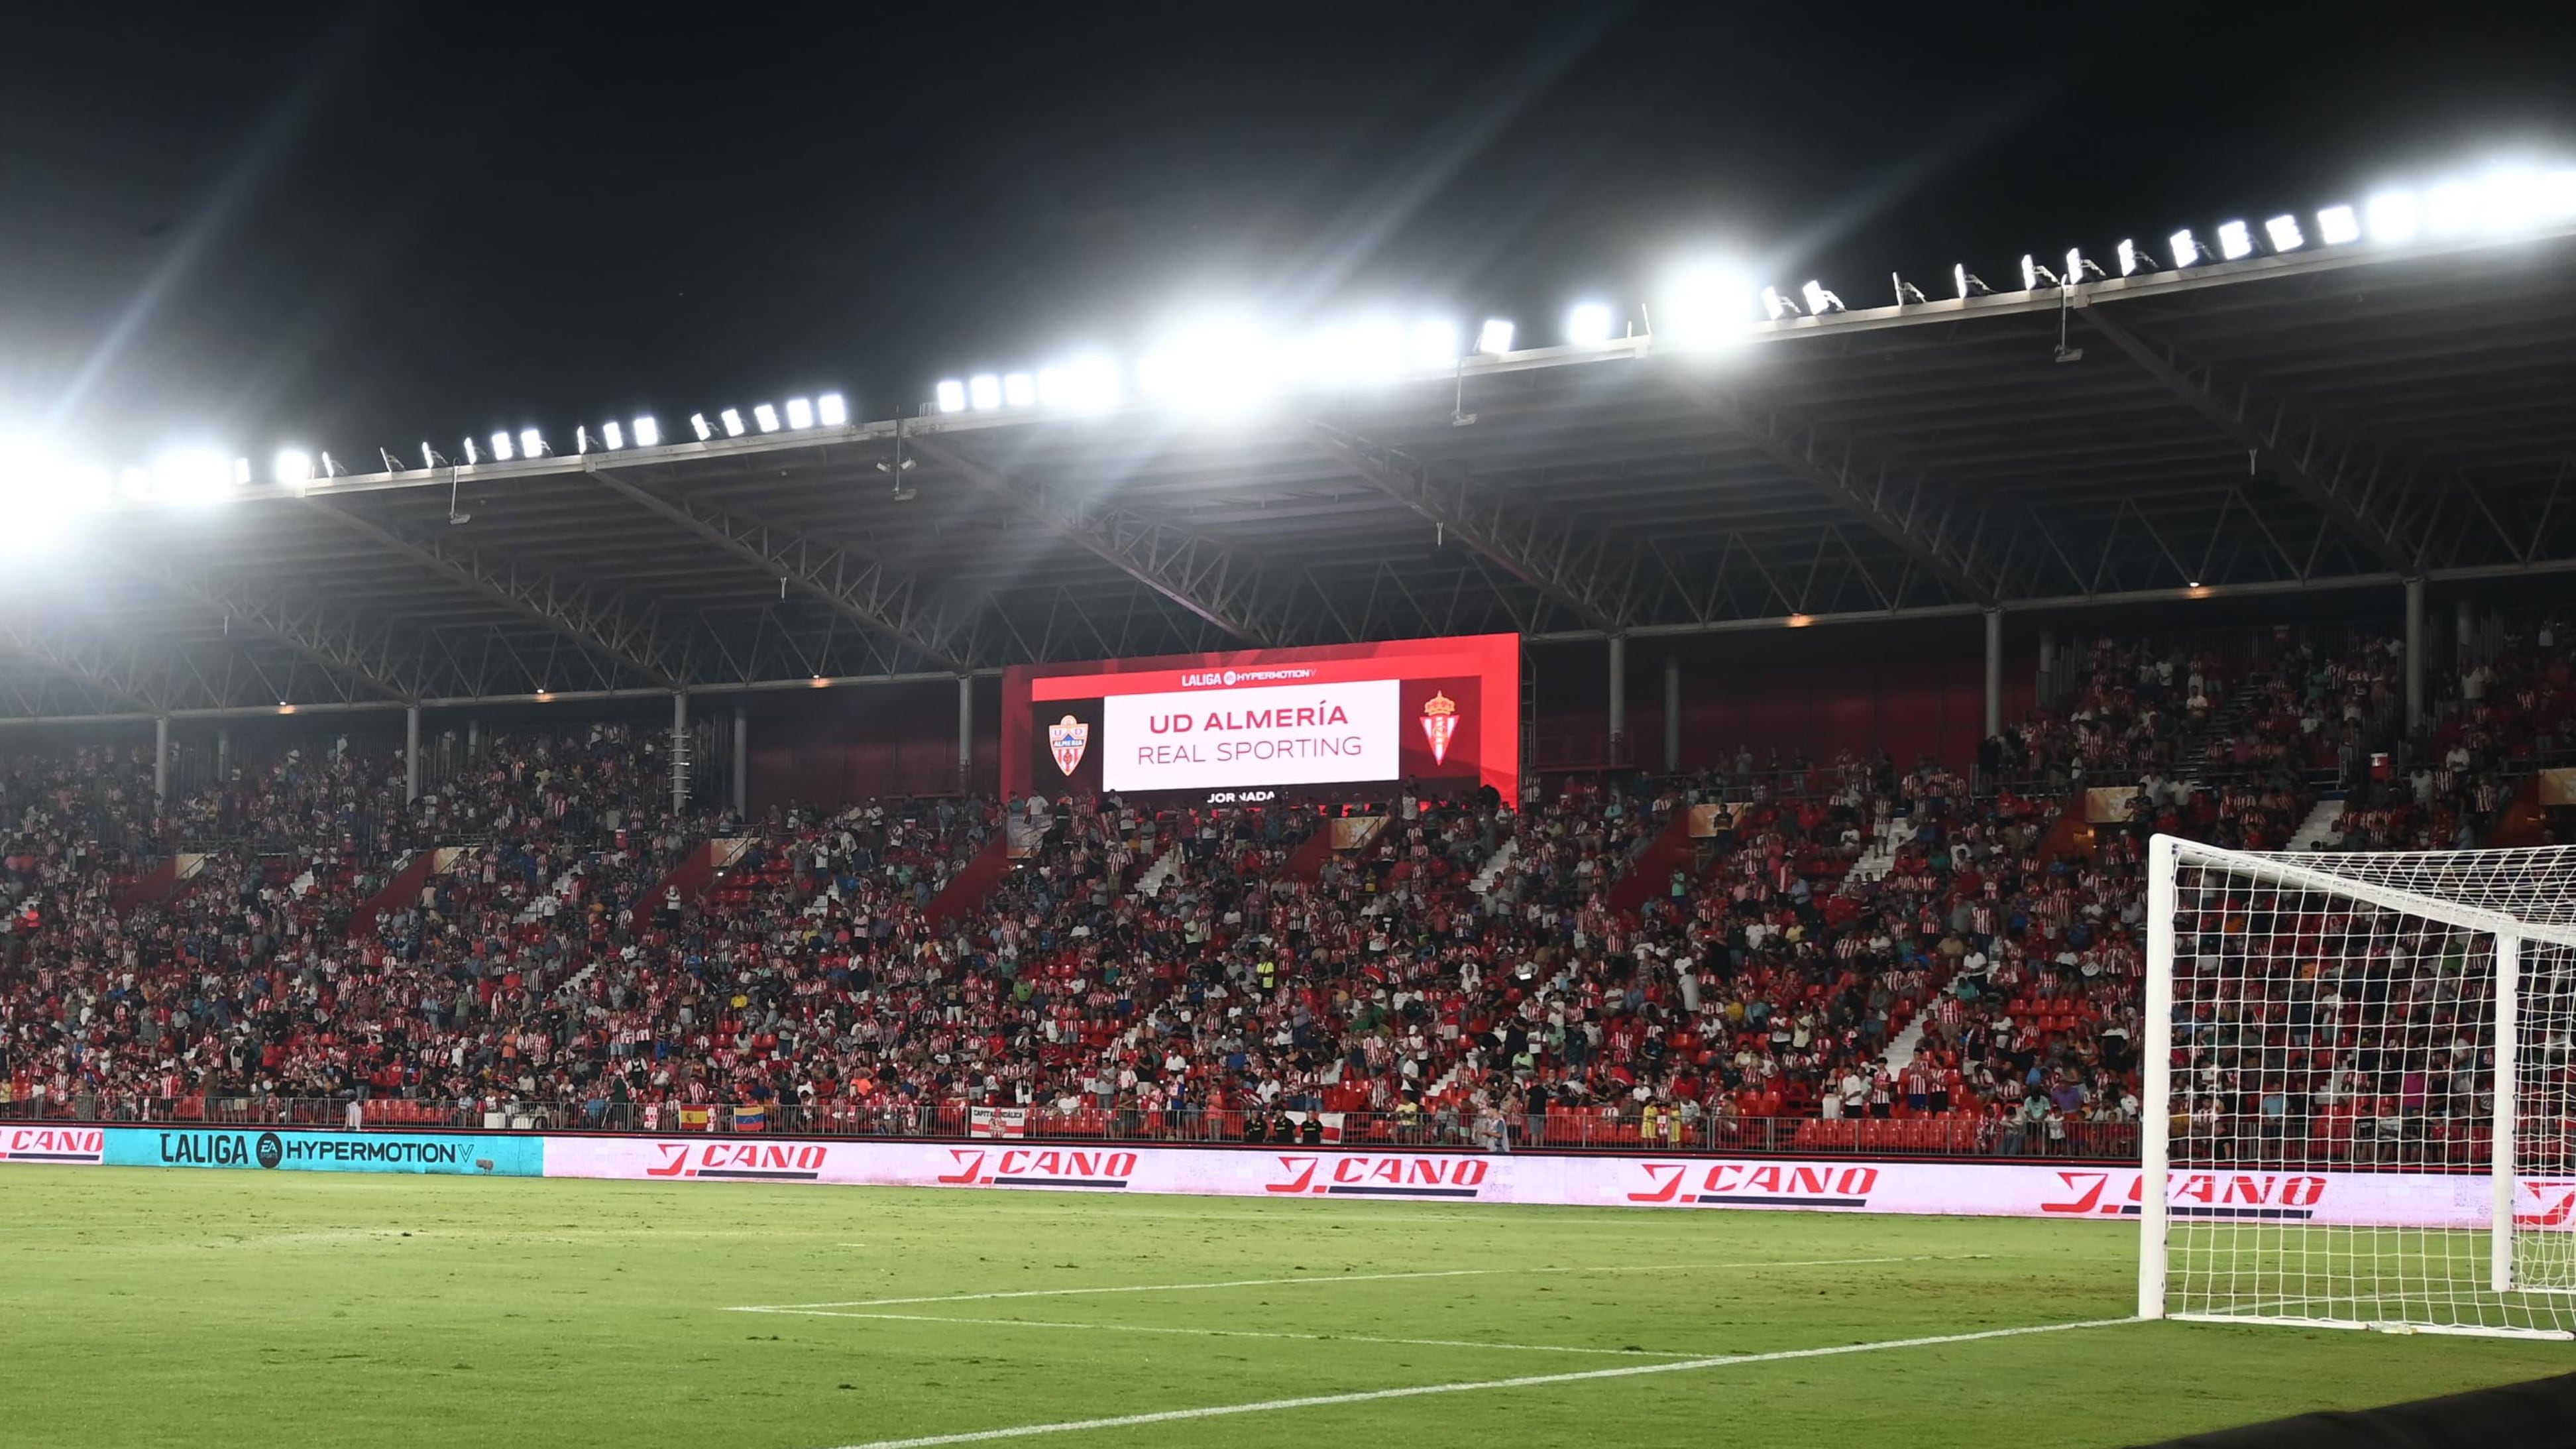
pixel 1223 1332
pixel 1342 1278
pixel 1213 1411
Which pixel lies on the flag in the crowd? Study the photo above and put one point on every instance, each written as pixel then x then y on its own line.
pixel 997 1122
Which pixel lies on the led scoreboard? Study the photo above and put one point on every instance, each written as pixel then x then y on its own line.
pixel 1259 724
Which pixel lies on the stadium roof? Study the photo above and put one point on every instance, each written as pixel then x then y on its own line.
pixel 2316 420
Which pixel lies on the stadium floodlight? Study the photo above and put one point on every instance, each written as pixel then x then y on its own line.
pixel 2509 199
pixel 1967 283
pixel 1435 345
pixel 581 440
pixel 241 472
pixel 2556 194
pixel 952 396
pixel 732 420
pixel 2034 276
pixel 1494 338
pixel 192 476
pixel 2132 260
pixel 1819 301
pixel 1777 307
pixel 295 466
pixel 2337 225
pixel 2184 248
pixel 502 451
pixel 2077 264
pixel 800 412
pixel 2451 208
pixel 471 457
pixel 1708 305
pixel 2395 216
pixel 1219 365
pixel 2235 241
pixel 1588 325
pixel 1020 389
pixel 1907 294
pixel 648 433
pixel 832 410
pixel 2284 234
pixel 984 390
pixel 613 434
pixel 1091 384
pixel 766 416
pixel 532 444
pixel 1371 350
pixel 698 424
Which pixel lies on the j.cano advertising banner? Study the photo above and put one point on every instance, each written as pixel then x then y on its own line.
pixel 1969 1189
pixel 1966 1189
pixel 56 1143
pixel 259 1148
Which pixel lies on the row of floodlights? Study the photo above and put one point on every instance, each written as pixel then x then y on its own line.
pixel 1230 361
pixel 1227 362
pixel 203 477
pixel 41 489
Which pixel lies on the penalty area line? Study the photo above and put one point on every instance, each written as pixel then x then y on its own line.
pixel 1349 1278
pixel 1315 1401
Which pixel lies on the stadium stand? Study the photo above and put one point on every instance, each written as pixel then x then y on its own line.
pixel 1851 957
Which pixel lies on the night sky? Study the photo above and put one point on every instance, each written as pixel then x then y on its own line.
pixel 346 226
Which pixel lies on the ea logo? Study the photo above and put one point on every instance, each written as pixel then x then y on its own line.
pixel 271 1150
pixel 1229 676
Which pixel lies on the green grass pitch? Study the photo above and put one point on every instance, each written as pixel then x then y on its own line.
pixel 190 1309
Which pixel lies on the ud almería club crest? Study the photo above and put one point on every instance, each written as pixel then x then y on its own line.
pixel 1066 739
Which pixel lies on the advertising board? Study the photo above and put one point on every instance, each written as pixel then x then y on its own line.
pixel 261 1148
pixel 2031 1190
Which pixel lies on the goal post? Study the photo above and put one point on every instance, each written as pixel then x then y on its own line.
pixel 2358 1073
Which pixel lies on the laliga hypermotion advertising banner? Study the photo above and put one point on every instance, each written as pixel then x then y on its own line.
pixel 258 1149
pixel 1259 724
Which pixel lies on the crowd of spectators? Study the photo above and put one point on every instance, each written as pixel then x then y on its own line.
pixel 1842 945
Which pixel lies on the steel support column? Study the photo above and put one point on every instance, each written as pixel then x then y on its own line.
pixel 965 733
pixel 1672 714
pixel 1994 672
pixel 679 751
pixel 411 753
pixel 1618 699
pixel 742 761
pixel 2414 655
pixel 161 757
pixel 223 756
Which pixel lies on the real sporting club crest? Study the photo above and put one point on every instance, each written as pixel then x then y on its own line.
pixel 1439 725
pixel 1066 739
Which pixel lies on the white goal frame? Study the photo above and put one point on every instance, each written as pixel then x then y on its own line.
pixel 2506 1308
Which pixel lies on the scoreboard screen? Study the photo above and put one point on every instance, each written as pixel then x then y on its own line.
pixel 1259 724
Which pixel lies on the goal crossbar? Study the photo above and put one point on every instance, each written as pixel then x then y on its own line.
pixel 2276 871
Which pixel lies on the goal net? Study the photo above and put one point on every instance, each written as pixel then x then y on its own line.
pixel 2358 1079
